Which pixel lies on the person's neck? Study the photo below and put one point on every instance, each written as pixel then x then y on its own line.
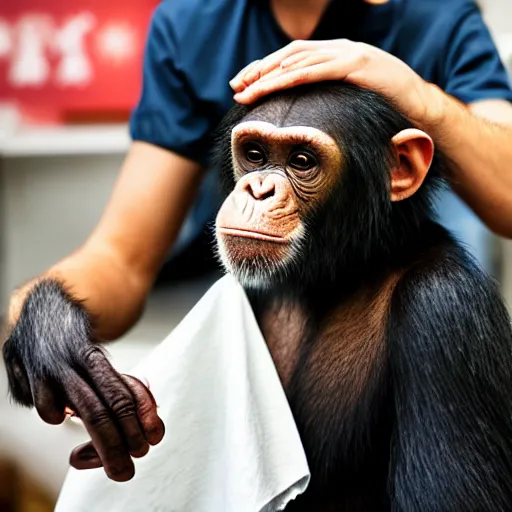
pixel 299 18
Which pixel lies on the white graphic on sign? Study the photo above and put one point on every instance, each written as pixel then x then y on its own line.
pixel 34 39
pixel 29 61
pixel 117 41
pixel 74 67
pixel 6 43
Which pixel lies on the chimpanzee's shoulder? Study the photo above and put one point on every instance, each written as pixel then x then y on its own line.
pixel 446 272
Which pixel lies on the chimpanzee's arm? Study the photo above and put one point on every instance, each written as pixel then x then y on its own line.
pixel 450 346
pixel 53 362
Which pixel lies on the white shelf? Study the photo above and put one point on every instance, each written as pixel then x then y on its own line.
pixel 65 140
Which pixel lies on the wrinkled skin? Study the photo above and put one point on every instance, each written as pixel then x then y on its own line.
pixel 54 364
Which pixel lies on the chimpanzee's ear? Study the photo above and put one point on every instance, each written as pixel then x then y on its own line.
pixel 414 154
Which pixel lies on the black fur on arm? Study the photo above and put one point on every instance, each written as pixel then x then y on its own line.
pixel 450 346
pixel 52 335
pixel 53 360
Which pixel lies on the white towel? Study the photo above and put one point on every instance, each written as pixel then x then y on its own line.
pixel 231 443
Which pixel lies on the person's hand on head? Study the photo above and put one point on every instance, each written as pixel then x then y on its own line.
pixel 302 62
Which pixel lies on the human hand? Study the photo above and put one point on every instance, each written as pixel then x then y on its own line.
pixel 302 62
pixel 53 364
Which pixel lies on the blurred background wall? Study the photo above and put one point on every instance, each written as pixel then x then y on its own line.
pixel 57 169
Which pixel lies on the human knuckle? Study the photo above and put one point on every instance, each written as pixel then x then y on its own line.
pixel 298 44
pixel 346 45
pixel 301 77
pixel 362 56
pixel 256 75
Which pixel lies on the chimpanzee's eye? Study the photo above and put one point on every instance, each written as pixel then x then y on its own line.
pixel 302 161
pixel 254 154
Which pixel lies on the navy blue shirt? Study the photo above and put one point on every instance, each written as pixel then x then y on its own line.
pixel 196 46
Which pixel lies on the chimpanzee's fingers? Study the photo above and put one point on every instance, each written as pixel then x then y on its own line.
pixel 103 430
pixel 111 387
pixel 85 456
pixel 146 409
pixel 19 384
pixel 49 400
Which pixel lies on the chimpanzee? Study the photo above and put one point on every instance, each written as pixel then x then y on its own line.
pixel 393 346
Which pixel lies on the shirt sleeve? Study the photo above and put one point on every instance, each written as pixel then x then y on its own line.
pixel 167 113
pixel 473 68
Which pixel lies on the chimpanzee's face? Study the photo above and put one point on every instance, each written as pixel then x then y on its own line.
pixel 280 173
pixel 318 180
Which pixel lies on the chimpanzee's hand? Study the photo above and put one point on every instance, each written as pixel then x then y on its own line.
pixel 52 363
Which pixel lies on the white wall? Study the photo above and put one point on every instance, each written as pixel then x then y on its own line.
pixel 50 205
pixel 498 14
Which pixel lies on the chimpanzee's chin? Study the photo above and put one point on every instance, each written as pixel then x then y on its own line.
pixel 254 264
pixel 251 279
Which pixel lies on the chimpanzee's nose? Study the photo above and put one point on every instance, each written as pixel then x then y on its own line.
pixel 261 187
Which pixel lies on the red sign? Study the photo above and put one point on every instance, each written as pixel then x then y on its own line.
pixel 73 56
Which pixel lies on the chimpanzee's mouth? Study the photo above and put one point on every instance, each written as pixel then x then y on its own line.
pixel 255 235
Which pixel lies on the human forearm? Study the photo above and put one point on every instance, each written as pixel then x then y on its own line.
pixel 110 293
pixel 478 153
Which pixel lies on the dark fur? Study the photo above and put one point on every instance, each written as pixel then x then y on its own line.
pixel 359 208
pixel 432 428
pixel 51 339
